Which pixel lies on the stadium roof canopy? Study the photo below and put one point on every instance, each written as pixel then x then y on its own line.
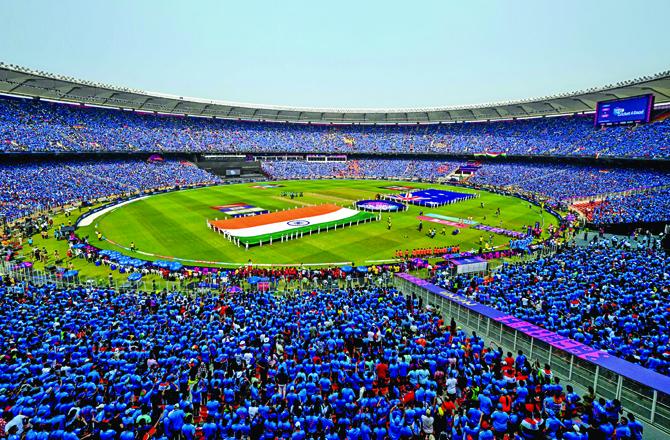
pixel 17 80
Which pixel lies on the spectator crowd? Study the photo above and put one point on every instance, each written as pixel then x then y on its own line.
pixel 563 182
pixel 647 206
pixel 38 185
pixel 362 168
pixel 612 295
pixel 36 126
pixel 321 364
pixel 647 202
pixel 331 359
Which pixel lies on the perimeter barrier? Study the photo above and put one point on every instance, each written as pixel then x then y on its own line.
pixel 644 392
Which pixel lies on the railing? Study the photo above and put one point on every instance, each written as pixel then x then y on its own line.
pixel 22 274
pixel 28 274
pixel 38 277
pixel 640 390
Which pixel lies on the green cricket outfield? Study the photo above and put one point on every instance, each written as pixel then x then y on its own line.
pixel 174 224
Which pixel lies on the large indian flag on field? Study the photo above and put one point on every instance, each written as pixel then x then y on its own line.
pixel 289 224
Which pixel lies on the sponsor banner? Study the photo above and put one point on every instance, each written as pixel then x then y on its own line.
pixel 452 219
pixel 240 209
pixel 248 211
pixel 501 231
pixel 380 205
pixel 628 110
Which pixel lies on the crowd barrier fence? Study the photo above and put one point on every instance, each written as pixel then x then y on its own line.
pixel 640 390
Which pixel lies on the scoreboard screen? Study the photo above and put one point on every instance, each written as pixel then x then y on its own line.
pixel 624 111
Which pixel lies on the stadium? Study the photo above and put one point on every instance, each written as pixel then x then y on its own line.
pixel 189 268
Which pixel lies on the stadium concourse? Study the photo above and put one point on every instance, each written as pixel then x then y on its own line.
pixel 35 126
